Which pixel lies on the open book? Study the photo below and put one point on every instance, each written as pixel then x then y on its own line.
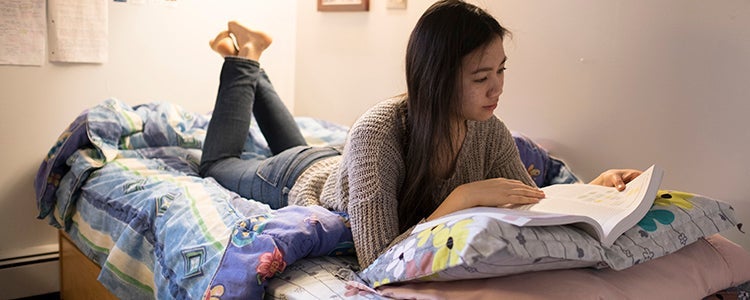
pixel 603 212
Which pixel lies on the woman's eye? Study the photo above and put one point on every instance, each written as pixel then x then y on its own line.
pixel 481 79
pixel 501 70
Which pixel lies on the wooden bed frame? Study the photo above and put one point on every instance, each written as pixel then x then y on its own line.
pixel 78 274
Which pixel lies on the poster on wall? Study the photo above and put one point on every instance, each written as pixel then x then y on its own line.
pixel 22 31
pixel 78 31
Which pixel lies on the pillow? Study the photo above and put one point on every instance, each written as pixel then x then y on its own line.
pixel 481 247
pixel 700 269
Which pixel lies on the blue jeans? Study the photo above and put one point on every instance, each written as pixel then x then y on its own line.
pixel 244 91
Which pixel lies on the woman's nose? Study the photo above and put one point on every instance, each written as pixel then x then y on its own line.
pixel 497 89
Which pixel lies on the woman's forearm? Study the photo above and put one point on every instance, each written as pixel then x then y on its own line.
pixel 493 192
pixel 455 201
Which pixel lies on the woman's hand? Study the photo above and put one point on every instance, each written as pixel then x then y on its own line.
pixel 616 178
pixel 495 192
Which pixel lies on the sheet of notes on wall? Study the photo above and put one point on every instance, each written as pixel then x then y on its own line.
pixel 78 30
pixel 22 32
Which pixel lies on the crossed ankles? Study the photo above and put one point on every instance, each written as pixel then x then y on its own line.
pixel 240 41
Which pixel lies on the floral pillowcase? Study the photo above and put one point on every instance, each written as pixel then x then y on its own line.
pixel 480 246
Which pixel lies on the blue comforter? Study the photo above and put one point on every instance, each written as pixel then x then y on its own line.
pixel 122 183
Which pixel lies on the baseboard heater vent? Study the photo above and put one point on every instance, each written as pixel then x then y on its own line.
pixel 31 271
pixel 31 259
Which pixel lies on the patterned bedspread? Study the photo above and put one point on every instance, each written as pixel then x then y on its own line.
pixel 122 182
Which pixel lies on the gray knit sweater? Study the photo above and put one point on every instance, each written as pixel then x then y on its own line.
pixel 366 180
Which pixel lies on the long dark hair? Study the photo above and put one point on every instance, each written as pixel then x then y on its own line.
pixel 446 32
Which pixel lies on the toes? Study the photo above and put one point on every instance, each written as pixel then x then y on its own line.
pixel 250 43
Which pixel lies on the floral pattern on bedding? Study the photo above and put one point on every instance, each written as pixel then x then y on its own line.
pixel 481 247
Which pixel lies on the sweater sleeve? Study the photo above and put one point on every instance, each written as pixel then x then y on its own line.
pixel 507 162
pixel 373 163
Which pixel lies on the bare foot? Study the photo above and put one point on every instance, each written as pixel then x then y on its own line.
pixel 223 44
pixel 250 43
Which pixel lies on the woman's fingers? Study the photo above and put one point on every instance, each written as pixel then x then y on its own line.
pixel 616 178
pixel 630 175
pixel 528 195
pixel 617 182
pixel 502 192
pixel 519 200
pixel 529 192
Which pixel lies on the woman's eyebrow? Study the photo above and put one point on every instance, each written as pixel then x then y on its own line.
pixel 487 69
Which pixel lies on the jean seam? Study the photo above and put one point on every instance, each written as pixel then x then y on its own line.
pixel 271 181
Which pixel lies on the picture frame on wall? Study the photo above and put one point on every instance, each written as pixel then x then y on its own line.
pixel 343 5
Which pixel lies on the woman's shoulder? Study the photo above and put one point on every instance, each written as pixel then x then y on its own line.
pixel 382 127
pixel 387 114
pixel 391 107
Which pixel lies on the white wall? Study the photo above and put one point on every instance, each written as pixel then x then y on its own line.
pixel 602 84
pixel 156 53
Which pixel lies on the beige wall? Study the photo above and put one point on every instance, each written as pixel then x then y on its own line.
pixel 346 62
pixel 600 83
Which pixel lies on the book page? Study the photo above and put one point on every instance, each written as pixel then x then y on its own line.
pixel 604 208
pixel 606 205
pixel 22 32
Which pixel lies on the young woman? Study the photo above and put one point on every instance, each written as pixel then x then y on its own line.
pixel 436 149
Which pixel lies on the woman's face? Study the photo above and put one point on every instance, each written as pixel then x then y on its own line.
pixel 481 78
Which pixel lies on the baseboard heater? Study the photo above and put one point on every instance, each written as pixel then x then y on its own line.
pixel 26 260
pixel 30 272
